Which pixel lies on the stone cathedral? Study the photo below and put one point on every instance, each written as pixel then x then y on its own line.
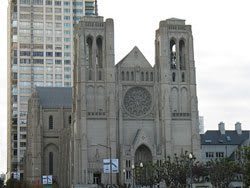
pixel 131 110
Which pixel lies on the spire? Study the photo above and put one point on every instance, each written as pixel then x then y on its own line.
pixel 96 8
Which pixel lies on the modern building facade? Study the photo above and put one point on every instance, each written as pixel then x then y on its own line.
pixel 40 53
pixel 131 111
pixel 221 143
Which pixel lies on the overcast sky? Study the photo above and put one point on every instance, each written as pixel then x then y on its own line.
pixel 221 31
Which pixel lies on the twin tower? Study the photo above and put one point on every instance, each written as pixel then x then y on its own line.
pixel 131 111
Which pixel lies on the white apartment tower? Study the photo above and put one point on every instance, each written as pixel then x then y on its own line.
pixel 40 46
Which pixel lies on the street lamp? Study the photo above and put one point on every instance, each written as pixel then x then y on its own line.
pixel 124 175
pixel 133 168
pixel 141 166
pixel 191 165
pixel 110 161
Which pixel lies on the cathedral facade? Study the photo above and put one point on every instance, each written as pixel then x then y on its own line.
pixel 130 111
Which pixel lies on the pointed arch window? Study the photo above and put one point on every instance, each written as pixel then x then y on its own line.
pixel 90 51
pixel 132 76
pixel 51 161
pixel 51 122
pixel 99 52
pixel 173 76
pixel 90 74
pixel 151 76
pixel 127 76
pixel 69 119
pixel 183 77
pixel 142 76
pixel 172 54
pixel 182 54
pixel 147 77
pixel 100 75
pixel 123 76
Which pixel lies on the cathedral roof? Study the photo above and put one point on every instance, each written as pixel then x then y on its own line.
pixel 134 58
pixel 55 97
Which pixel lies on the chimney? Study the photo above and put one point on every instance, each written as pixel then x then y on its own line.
pixel 222 128
pixel 238 128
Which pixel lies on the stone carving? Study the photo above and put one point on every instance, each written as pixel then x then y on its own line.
pixel 137 101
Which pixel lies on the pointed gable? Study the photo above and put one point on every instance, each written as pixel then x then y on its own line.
pixel 135 58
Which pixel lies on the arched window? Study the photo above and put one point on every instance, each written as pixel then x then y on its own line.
pixel 127 76
pixel 100 75
pixel 69 119
pixel 142 76
pixel 147 77
pixel 183 77
pixel 51 123
pixel 123 76
pixel 173 76
pixel 90 74
pixel 51 163
pixel 89 51
pixel 172 54
pixel 182 54
pixel 132 76
pixel 151 76
pixel 99 52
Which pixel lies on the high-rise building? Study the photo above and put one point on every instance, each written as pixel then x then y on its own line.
pixel 40 53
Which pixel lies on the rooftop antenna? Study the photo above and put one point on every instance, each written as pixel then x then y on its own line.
pixel 96 8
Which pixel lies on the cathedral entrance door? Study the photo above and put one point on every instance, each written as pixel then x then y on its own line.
pixel 143 158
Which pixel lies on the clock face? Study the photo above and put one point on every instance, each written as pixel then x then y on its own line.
pixel 137 101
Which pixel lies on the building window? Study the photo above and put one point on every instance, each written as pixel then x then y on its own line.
pixel 132 76
pixel 220 154
pixel 183 77
pixel 69 119
pixel 51 122
pixel 51 163
pixel 173 77
pixel 142 76
pixel 209 154
pixel 123 76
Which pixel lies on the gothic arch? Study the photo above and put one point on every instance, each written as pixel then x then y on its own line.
pixel 89 44
pixel 50 159
pixel 172 48
pixel 100 99
pixel 184 100
pixel 99 51
pixel 182 54
pixel 174 99
pixel 90 98
pixel 143 154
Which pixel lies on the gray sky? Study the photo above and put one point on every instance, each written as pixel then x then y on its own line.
pixel 221 30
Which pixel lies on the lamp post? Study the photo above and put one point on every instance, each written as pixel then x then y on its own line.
pixel 124 175
pixel 141 166
pixel 133 168
pixel 191 165
pixel 110 161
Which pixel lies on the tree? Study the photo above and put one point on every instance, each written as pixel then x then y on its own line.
pixel 1 183
pixel 243 158
pixel 174 171
pixel 222 171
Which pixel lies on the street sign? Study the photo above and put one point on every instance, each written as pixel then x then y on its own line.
pixel 106 165
pixel 47 180
pixel 16 175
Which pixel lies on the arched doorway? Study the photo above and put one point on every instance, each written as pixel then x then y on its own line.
pixel 143 159
pixel 143 154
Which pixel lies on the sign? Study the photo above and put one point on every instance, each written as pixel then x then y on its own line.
pixel 16 175
pixel 47 180
pixel 106 165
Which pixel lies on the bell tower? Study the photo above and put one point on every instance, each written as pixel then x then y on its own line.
pixel 93 100
pixel 177 82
